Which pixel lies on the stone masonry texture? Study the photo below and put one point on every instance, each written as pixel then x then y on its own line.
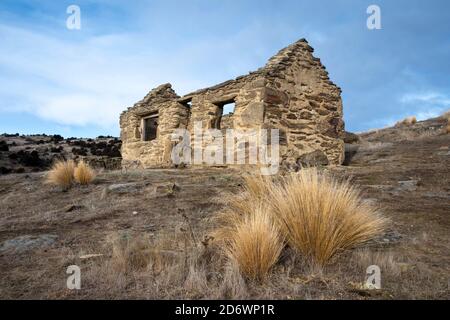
pixel 292 93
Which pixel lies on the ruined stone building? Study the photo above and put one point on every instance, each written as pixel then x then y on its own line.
pixel 292 93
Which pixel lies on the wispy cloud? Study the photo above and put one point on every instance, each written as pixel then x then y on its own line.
pixel 90 81
pixel 59 78
pixel 426 97
pixel 80 83
pixel 426 104
pixel 423 105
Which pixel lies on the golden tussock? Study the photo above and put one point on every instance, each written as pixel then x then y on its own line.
pixel 318 215
pixel 83 173
pixel 255 244
pixel 61 174
pixel 407 121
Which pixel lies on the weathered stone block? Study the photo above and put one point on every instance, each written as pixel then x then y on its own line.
pixel 315 158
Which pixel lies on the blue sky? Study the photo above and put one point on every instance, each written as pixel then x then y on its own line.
pixel 76 82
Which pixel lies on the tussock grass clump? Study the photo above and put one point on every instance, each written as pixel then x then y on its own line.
pixel 407 121
pixel 321 216
pixel 255 244
pixel 64 173
pixel 446 115
pixel 61 174
pixel 239 206
pixel 318 215
pixel 83 173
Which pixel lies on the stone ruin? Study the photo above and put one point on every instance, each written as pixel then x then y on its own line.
pixel 292 93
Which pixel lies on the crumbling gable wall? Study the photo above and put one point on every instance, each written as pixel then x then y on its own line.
pixel 306 106
pixel 291 93
pixel 171 115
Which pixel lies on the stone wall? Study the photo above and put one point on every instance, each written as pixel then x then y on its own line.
pixel 292 93
pixel 171 114
pixel 306 106
pixel 226 122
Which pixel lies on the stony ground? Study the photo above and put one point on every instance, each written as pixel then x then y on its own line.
pixel 43 230
pixel 34 153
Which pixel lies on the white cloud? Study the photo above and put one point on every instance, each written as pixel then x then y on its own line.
pixel 74 81
pixel 426 105
pixel 426 97
pixel 69 82
pixel 422 105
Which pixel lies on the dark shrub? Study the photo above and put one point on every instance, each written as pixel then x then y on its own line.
pixel 13 156
pixel 56 149
pixel 4 170
pixel 57 138
pixel 31 159
pixel 79 151
pixel 3 146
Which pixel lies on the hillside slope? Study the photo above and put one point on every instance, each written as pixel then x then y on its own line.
pixel 405 170
pixel 34 153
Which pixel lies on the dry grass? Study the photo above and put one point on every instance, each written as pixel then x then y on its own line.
pixel 61 174
pixel 385 260
pixel 255 244
pixel 83 173
pixel 319 216
pixel 322 216
pixel 407 121
pixel 129 253
pixel 167 265
pixel 239 206
pixel 375 146
pixel 446 115
pixel 64 173
pixel 174 267
pixel 233 285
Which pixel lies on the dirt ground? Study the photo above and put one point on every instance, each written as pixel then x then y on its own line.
pixel 43 230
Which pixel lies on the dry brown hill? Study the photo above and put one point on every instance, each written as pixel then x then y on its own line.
pixel 404 169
